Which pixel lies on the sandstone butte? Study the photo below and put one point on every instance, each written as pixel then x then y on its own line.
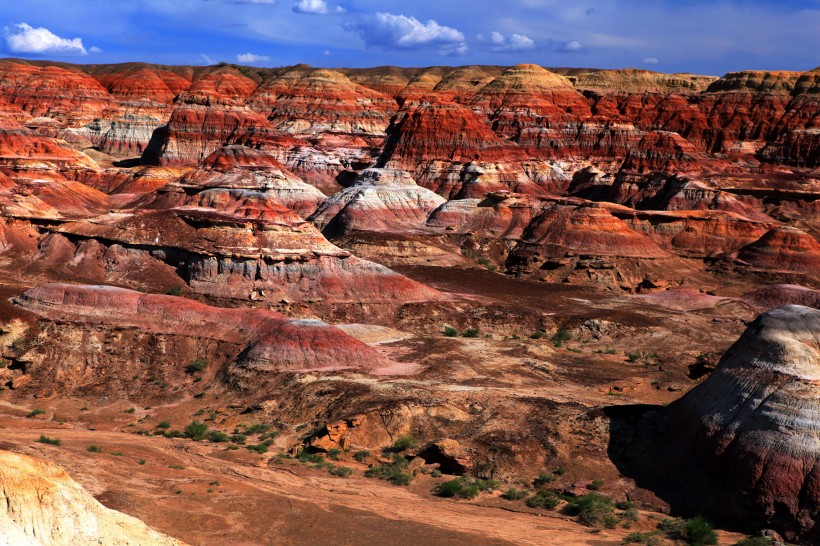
pixel 591 241
pixel 748 433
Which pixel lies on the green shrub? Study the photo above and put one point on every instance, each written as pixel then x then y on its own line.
pixel 403 443
pixel 341 471
pixel 141 461
pixel 592 509
pixel 472 332
pixel 261 447
pixel 634 357
pixel 131 410
pixel 307 457
pixel 544 499
pixel 435 473
pixel 238 438
pixel 457 488
pixel 561 337
pixel 362 455
pixel 334 453
pixel 560 471
pixel 393 472
pixel 196 366
pixel 537 335
pixel 256 428
pixel 514 494
pixel 196 430
pixel 543 479
pixel 449 331
pixel 217 436
pixel 118 454
pixel 698 532
pixel 596 485
pixel 650 539
pixel 176 466
pixel 43 439
pixel 35 412
pixel 94 449
pixel 175 291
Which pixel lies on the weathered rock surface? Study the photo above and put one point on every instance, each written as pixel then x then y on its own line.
pixel 43 506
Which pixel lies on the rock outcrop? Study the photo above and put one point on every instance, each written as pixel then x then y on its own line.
pixel 43 506
pixel 746 439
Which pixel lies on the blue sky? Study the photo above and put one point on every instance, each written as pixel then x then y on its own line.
pixel 707 37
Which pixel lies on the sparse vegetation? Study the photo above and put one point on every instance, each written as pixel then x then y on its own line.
pixel 131 410
pixel 196 430
pixel 544 499
pixel 755 541
pixel 35 412
pixel 514 494
pixel 217 436
pixel 596 485
pixel 94 449
pixel 164 425
pixel 695 532
pixel 403 443
pixel 341 471
pixel 362 455
pixel 141 461
pixel 175 291
pixel 471 332
pixel 449 331
pixel 334 453
pixel 593 510
pixel 176 466
pixel 394 472
pixel 196 366
pixel 537 335
pixel 43 439
pixel 561 337
pixel 465 488
pixel 650 539
pixel 543 479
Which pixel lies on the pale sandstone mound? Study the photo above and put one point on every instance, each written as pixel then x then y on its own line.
pixel 245 348
pixel 631 80
pixel 499 214
pixel 754 425
pixel 43 506
pixel 380 200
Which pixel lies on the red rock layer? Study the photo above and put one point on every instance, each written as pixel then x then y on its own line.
pixel 784 248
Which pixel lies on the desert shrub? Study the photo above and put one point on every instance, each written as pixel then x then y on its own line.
pixel 634 357
pixel 394 472
pixel 217 436
pixel 561 337
pixel 403 443
pixel 118 454
pixel 435 473
pixel 196 366
pixel 592 509
pixel 308 457
pixel 537 335
pixel 256 428
pixel 261 447
pixel 141 461
pixel 472 332
pixel 176 466
pixel 457 488
pixel 543 479
pixel 560 471
pixel 175 291
pixel 596 485
pixel 94 449
pixel 35 412
pixel 238 438
pixel 131 410
pixel 196 430
pixel 173 434
pixel 698 532
pixel 43 439
pixel 362 455
pixel 650 539
pixel 486 262
pixel 449 331
pixel 341 471
pixel 514 494
pixel 544 499
pixel 334 453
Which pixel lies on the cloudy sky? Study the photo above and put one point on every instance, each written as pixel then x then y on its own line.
pixel 702 36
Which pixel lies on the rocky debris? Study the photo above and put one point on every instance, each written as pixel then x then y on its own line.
pixel 43 506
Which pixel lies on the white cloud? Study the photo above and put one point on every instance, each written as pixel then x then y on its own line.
pixel 507 44
pixel 23 38
pixel 651 60
pixel 327 53
pixel 571 47
pixel 251 58
pixel 206 59
pixel 94 49
pixel 402 32
pixel 318 7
